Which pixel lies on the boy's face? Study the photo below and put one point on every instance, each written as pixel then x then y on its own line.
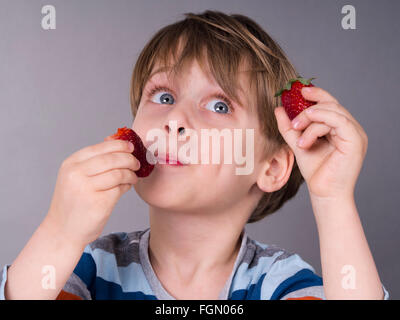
pixel 189 100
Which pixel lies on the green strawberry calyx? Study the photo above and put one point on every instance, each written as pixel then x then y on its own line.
pixel 288 85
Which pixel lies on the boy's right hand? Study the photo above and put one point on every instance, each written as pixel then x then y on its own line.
pixel 89 184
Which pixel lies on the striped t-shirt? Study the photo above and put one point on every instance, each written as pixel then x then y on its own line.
pixel 117 266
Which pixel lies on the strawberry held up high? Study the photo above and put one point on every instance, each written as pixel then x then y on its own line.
pixel 292 99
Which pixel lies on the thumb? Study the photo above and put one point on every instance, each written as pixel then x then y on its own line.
pixel 285 128
pixel 108 138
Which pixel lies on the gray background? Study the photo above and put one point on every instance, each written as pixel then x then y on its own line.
pixel 64 89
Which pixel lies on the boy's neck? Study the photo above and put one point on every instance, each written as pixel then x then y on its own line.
pixel 192 244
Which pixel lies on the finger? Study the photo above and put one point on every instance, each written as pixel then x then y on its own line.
pixel 124 187
pixel 117 191
pixel 312 133
pixel 343 127
pixel 301 121
pixel 101 148
pixel 108 138
pixel 317 94
pixel 285 127
pixel 113 178
pixel 109 161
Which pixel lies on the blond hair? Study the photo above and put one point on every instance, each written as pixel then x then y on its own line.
pixel 224 43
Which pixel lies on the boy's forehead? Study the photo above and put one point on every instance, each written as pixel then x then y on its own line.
pixel 172 71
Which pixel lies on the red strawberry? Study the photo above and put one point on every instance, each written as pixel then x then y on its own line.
pixel 292 99
pixel 139 150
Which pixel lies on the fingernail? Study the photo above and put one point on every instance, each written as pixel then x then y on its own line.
pixel 300 142
pixel 296 124
pixel 309 110
pixel 306 89
pixel 130 145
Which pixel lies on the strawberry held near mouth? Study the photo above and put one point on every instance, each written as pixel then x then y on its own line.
pixel 292 100
pixel 139 150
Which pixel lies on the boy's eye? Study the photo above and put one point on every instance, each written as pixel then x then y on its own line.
pixel 218 107
pixel 161 95
pixel 163 98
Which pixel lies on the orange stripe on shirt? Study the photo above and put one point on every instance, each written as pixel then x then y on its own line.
pixel 305 298
pixel 64 295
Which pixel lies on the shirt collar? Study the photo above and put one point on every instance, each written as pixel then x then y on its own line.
pixel 155 284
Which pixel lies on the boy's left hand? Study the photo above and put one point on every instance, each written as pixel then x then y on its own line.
pixel 334 146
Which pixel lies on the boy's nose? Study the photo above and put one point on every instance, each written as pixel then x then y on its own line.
pixel 178 117
pixel 181 130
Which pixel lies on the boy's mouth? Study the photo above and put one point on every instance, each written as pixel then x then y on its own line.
pixel 166 159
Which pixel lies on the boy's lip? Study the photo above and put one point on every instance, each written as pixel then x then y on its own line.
pixel 165 159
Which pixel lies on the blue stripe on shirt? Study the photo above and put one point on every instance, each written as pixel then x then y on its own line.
pixel 86 270
pixel 252 293
pixel 106 290
pixel 302 279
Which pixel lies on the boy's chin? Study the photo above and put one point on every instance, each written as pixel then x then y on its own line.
pixel 173 205
pixel 166 197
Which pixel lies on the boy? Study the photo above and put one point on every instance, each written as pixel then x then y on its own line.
pixel 210 70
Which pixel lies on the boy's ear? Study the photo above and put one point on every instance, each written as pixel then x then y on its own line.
pixel 276 171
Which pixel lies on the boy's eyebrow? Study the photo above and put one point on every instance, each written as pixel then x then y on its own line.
pixel 166 68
